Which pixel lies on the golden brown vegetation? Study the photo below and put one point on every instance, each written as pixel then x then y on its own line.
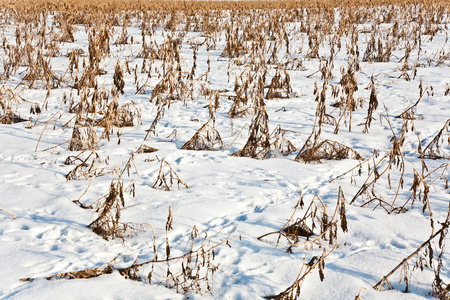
pixel 253 33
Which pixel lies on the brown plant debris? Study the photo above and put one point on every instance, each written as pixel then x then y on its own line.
pixel 120 116
pixel 280 86
pixel 373 104
pixel 279 144
pixel 314 149
pixel 206 138
pixel 258 143
pixel 427 256
pixel 84 169
pixel 145 149
pixel 167 177
pixel 107 224
pixel 328 150
pixel 193 270
pixel 439 147
pixel 8 101
pixel 83 138
pixel 10 117
pixel 390 165
pixel 316 215
pixel 410 111
pixel 293 291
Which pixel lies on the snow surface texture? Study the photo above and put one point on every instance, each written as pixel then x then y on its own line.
pixel 239 197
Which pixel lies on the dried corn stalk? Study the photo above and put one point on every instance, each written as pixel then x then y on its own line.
pixel 167 177
pixel 206 138
pixel 439 147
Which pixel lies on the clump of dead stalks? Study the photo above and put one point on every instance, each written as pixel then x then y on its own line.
pixel 394 159
pixel 280 86
pixel 8 106
pixel 119 116
pixel 107 224
pixel 294 290
pixel 261 143
pixel 348 103
pixel 315 216
pixel 108 207
pixel 315 148
pixel 85 168
pixel 390 170
pixel 193 270
pixel 206 138
pixel 373 104
pixel 258 143
pixel 145 149
pixel 83 138
pixel 248 87
pixel 279 144
pixel 439 147
pixel 167 177
pixel 328 150
pixel 429 255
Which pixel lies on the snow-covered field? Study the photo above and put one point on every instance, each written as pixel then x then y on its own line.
pixel 228 200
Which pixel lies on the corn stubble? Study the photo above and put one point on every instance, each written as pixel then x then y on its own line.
pixel 193 270
pixel 315 216
pixel 257 37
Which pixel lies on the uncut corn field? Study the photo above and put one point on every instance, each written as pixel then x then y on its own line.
pixel 224 149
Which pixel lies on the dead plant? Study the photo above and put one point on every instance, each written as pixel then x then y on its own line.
pixel 166 170
pixel 437 149
pixel 373 104
pixel 83 138
pixel 118 81
pixel 348 102
pixel 258 143
pixel 393 160
pixel 316 215
pixel 280 86
pixel 107 224
pixel 193 270
pixel 293 291
pixel 328 150
pixel 119 116
pixel 427 256
pixel 279 144
pixel 162 105
pixel 7 212
pixel 86 168
pixel 314 149
pixel 410 111
pixel 206 138
pixel 9 102
pixel 145 149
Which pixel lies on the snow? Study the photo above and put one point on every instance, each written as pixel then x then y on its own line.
pixel 235 197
